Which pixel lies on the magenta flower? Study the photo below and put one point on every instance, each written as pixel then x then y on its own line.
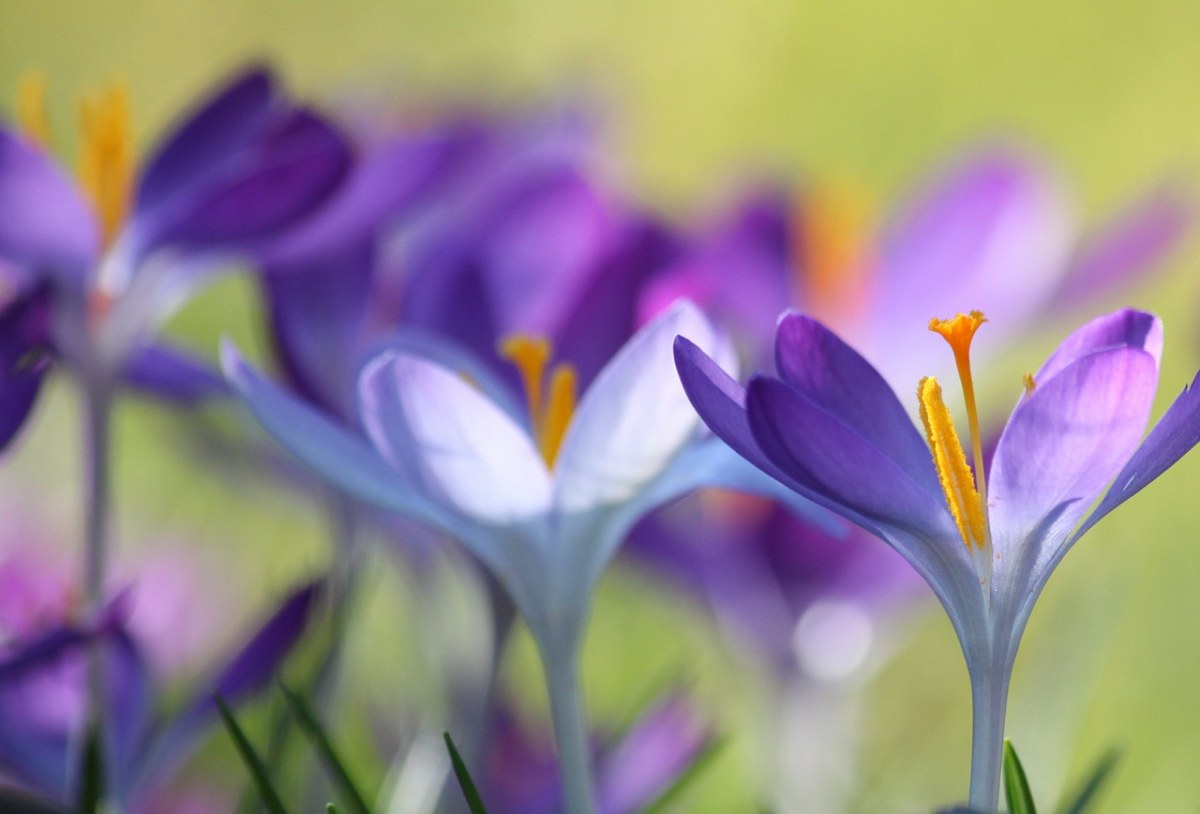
pixel 831 429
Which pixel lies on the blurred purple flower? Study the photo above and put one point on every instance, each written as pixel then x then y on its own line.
pixel 995 225
pixel 519 775
pixel 771 577
pixel 43 692
pixel 831 429
pixel 242 169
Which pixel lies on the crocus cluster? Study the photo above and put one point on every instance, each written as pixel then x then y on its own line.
pixel 483 352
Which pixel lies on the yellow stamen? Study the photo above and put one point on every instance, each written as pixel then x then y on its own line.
pixel 1030 383
pixel 530 356
pixel 31 108
pixel 965 501
pixel 833 236
pixel 106 159
pixel 560 407
pixel 958 332
pixel 550 409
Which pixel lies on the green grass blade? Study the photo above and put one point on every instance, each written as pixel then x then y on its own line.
pixel 697 767
pixel 307 718
pixel 330 808
pixel 91 776
pixel 474 801
pixel 1082 800
pixel 258 771
pixel 1016 786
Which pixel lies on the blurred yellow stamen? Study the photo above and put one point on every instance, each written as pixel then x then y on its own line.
pixel 106 158
pixel 32 118
pixel 550 409
pixel 1030 383
pixel 833 236
pixel 957 483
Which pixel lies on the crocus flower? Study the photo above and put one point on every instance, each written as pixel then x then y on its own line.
pixel 122 249
pixel 43 692
pixel 831 429
pixel 543 504
pixel 518 774
pixel 996 224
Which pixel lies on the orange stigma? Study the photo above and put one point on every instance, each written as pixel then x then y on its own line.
pixel 106 164
pixel 550 408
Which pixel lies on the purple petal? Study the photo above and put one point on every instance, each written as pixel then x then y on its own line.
pixel 289 170
pixel 990 232
pixel 740 274
pixel 222 126
pixel 256 664
pixel 1125 328
pixel 43 687
pixel 655 753
pixel 1128 246
pixel 835 378
pixel 1066 440
pixel 24 340
pixel 721 403
pixel 1172 437
pixel 854 476
pixel 519 774
pixel 383 185
pixel 47 226
pixel 174 375
pixel 317 310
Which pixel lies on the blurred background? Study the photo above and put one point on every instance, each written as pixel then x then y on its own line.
pixel 696 99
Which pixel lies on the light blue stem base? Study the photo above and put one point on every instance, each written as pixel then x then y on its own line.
pixel 570 733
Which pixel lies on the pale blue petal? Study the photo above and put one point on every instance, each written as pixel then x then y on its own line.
pixel 328 449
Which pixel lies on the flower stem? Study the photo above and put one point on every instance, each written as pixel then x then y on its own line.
pixel 97 409
pixel 570 733
pixel 97 417
pixel 989 701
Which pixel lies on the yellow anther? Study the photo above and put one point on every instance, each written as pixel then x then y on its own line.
pixel 560 407
pixel 1030 383
pixel 530 357
pixel 31 108
pixel 965 501
pixel 550 410
pixel 106 159
pixel 833 236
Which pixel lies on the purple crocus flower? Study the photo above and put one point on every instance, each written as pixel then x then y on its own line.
pixel 519 775
pixel 831 429
pixel 996 225
pixel 43 700
pixel 123 249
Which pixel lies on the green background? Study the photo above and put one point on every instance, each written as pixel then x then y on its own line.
pixel 698 94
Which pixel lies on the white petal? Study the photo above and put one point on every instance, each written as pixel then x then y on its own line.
pixel 420 414
pixel 634 418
